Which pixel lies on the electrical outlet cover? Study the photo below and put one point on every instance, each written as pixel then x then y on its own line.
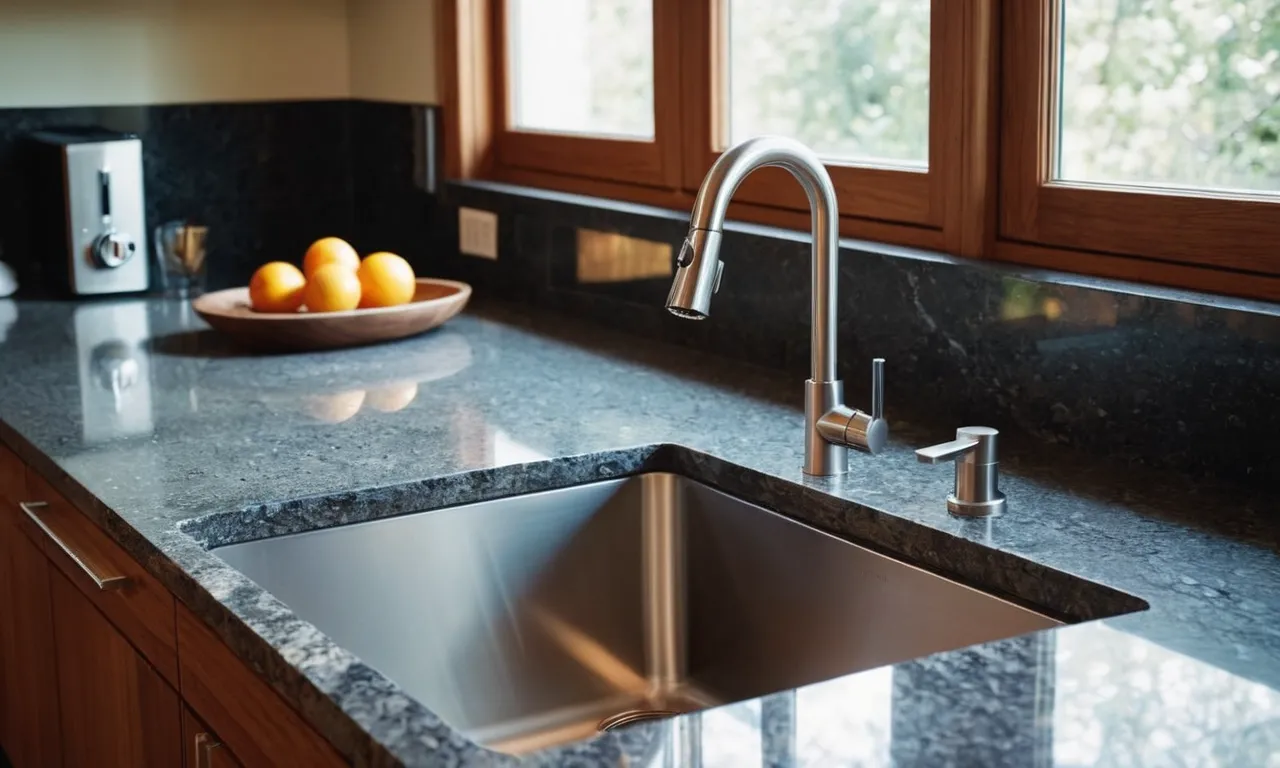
pixel 478 233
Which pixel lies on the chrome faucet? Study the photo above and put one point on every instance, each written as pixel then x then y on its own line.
pixel 830 427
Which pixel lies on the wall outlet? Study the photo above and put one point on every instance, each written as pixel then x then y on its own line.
pixel 478 233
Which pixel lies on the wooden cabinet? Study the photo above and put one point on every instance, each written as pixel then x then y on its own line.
pixel 260 728
pixel 130 597
pixel 28 678
pixel 99 663
pixel 203 748
pixel 116 708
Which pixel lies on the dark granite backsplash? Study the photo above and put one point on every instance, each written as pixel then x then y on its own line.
pixel 1137 375
pixel 1117 370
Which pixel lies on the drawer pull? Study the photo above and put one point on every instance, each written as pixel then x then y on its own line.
pixel 105 583
pixel 207 750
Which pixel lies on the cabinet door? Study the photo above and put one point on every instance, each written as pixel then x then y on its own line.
pixel 262 729
pixel 28 678
pixel 116 709
pixel 203 747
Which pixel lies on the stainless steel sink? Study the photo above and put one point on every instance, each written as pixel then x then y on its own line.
pixel 536 620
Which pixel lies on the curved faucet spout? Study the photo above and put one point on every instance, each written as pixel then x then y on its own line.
pixel 699 267
pixel 830 425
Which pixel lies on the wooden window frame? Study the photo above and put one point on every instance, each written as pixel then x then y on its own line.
pixel 988 192
pixel 1202 239
pixel 919 208
pixel 899 195
pixel 654 163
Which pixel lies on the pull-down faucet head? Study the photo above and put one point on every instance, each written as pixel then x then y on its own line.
pixel 698 271
pixel 698 266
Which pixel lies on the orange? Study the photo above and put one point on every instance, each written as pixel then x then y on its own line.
pixel 386 280
pixel 332 288
pixel 276 287
pixel 330 250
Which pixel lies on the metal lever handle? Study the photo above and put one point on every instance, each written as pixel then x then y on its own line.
pixel 855 428
pixel 105 583
pixel 207 749
pixel 936 454
pixel 877 388
pixel 977 489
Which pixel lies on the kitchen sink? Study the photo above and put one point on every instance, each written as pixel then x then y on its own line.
pixel 536 620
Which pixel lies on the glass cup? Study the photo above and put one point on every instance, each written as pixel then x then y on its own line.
pixel 180 248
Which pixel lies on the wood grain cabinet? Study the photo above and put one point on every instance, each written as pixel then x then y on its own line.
pixel 116 708
pixel 101 667
pixel 203 748
pixel 28 678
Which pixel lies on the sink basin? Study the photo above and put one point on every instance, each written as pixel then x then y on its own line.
pixel 536 620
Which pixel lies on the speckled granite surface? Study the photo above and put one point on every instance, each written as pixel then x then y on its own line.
pixel 211 445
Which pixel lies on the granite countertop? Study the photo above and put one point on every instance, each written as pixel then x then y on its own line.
pixel 209 445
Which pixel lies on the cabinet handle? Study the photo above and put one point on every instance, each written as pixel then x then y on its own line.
pixel 105 583
pixel 206 746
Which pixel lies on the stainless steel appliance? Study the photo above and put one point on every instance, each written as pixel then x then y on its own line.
pixel 93 204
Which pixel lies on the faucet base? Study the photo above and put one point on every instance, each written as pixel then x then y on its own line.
pixel 994 507
pixel 821 457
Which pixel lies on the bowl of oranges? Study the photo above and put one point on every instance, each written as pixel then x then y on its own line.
pixel 336 299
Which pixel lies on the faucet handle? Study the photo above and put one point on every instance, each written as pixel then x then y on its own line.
pixel 877 388
pixel 977 489
pixel 870 431
pixel 856 428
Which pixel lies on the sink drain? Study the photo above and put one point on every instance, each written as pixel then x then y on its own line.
pixel 633 716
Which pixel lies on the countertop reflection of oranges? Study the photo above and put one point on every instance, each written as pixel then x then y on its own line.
pixel 393 397
pixel 333 279
pixel 334 408
pixel 337 407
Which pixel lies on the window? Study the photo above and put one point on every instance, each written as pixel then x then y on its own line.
pixel 869 84
pixel 581 66
pixel 1131 138
pixel 1181 95
pixel 850 79
pixel 1147 129
pixel 581 87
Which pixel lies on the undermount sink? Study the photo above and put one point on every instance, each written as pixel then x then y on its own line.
pixel 536 620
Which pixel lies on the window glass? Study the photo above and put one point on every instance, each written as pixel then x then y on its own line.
pixel 850 78
pixel 1171 92
pixel 581 66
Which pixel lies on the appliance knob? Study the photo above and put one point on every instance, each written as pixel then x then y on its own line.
pixel 113 249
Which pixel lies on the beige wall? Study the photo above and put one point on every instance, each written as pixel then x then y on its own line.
pixel 393 50
pixel 97 52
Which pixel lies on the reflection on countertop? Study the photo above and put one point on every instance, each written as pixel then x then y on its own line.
pixel 1084 696
pixel 498 402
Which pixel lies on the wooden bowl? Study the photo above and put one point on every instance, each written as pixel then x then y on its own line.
pixel 434 302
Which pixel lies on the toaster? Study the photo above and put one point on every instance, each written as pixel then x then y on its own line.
pixel 93 209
